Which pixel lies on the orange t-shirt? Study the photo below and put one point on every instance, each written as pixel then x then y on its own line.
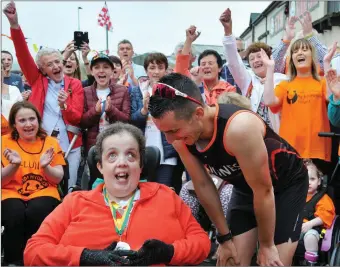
pixel 303 115
pixel 324 209
pixel 4 126
pixel 28 181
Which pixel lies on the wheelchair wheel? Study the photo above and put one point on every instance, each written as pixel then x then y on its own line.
pixel 336 233
pixel 335 258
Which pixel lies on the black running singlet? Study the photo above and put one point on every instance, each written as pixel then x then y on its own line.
pixel 284 162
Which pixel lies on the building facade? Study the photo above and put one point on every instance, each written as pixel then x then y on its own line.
pixel 269 26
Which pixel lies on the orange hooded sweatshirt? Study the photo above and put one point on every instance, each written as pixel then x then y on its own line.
pixel 83 220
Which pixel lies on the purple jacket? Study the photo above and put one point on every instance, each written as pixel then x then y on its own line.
pixel 120 111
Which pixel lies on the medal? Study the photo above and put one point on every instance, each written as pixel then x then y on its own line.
pixel 122 246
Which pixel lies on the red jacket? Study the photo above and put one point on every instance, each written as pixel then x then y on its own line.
pixel 120 102
pixel 39 84
pixel 83 220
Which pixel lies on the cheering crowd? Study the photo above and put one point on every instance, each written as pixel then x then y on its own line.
pixel 252 122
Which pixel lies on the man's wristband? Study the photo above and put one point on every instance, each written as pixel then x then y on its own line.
pixel 223 238
pixel 86 63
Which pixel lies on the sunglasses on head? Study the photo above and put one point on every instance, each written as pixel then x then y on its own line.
pixel 167 91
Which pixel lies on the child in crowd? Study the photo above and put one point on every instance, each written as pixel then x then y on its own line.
pixel 319 212
pixel 104 102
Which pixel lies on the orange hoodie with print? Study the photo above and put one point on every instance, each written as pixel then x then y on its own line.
pixel 83 220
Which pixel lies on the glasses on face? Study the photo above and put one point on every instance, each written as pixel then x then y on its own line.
pixel 167 91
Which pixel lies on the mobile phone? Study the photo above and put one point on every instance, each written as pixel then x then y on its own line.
pixel 79 38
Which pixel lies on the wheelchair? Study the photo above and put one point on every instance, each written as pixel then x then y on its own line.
pixel 151 163
pixel 329 245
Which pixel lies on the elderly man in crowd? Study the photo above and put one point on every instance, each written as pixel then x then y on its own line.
pixel 134 71
pixel 58 98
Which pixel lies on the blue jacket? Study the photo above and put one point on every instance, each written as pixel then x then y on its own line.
pixel 139 120
pixel 334 111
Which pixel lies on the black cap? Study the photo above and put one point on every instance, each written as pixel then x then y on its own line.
pixel 101 57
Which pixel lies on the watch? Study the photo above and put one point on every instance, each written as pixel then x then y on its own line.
pixel 223 238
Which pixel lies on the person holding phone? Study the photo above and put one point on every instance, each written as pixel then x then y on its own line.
pixel 58 97
pixel 71 62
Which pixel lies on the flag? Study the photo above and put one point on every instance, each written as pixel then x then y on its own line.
pixel 104 18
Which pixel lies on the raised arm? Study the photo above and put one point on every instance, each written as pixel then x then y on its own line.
pixel 237 69
pixel 279 52
pixel 307 29
pixel 269 97
pixel 183 59
pixel 251 153
pixel 333 82
pixel 25 60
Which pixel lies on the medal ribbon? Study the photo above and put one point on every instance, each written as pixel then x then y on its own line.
pixel 125 216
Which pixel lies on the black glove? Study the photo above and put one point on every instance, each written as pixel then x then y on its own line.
pixel 105 257
pixel 152 252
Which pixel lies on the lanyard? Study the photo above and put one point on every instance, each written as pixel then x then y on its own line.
pixel 126 215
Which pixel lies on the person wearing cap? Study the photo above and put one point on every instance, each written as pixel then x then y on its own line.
pixel 104 101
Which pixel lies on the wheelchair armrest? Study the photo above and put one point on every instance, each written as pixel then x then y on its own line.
pixel 327 240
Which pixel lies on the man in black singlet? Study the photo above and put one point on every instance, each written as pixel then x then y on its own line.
pixel 270 179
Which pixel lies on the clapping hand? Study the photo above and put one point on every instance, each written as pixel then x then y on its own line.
pixel 306 23
pixel 290 28
pixel 12 156
pixel 333 81
pixel 47 157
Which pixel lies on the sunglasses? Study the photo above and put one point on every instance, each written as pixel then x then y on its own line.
pixel 169 92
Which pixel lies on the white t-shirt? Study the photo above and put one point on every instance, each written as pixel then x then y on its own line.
pixel 153 138
pixel 9 99
pixel 102 94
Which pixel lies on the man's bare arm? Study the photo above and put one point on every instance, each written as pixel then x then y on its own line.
pixel 205 188
pixel 244 139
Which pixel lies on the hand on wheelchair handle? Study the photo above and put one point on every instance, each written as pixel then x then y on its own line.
pixel 152 252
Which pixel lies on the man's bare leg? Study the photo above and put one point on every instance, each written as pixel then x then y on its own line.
pixel 245 246
pixel 286 252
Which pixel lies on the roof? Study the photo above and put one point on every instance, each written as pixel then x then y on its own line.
pixel 253 17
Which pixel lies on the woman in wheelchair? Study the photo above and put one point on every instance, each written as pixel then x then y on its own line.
pixel 31 170
pixel 319 213
pixel 145 221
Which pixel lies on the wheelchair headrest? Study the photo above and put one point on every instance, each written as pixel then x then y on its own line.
pixel 151 163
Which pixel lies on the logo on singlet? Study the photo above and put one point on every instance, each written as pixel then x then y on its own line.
pixel 291 99
pixel 225 170
pixel 32 183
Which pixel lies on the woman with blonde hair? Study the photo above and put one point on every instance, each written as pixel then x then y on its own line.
pixel 302 102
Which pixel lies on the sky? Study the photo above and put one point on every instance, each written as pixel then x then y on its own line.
pixel 150 26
